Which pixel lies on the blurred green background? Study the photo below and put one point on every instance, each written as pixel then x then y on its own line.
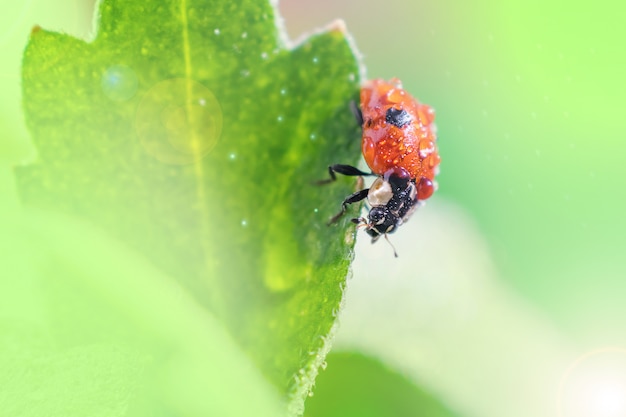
pixel 529 98
pixel 530 101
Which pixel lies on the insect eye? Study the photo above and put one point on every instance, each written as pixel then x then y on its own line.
pixel 397 117
pixel 377 215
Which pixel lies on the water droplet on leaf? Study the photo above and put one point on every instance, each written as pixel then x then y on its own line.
pixel 119 83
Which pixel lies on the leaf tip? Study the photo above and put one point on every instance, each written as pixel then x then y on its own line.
pixel 338 26
pixel 36 29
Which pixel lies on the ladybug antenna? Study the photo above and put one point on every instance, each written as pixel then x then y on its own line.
pixel 395 254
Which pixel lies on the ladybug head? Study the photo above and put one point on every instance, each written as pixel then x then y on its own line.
pixel 392 198
pixel 381 221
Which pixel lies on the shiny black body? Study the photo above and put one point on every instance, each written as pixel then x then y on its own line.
pixel 387 218
pixel 382 219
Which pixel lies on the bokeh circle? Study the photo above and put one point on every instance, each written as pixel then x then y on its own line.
pixel 179 121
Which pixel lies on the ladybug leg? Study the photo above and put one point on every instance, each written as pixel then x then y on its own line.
pixel 352 198
pixel 347 170
pixel 358 114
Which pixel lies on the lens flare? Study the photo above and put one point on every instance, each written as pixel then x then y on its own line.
pixel 595 385
pixel 179 121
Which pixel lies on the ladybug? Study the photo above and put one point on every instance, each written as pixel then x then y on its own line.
pixel 399 145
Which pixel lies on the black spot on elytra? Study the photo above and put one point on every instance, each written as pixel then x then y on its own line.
pixel 397 117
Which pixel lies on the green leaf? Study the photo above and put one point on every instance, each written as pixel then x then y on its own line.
pixel 356 385
pixel 110 335
pixel 191 132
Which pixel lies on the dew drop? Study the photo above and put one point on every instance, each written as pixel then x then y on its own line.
pixel 232 156
pixel 279 118
pixel 216 31
pixel 315 60
pixel 283 91
pixel 426 147
pixel 119 83
pixel 312 136
pixel 244 35
pixel 244 222
pixel 348 238
pixel 264 55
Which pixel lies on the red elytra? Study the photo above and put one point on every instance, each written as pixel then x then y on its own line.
pixel 399 134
